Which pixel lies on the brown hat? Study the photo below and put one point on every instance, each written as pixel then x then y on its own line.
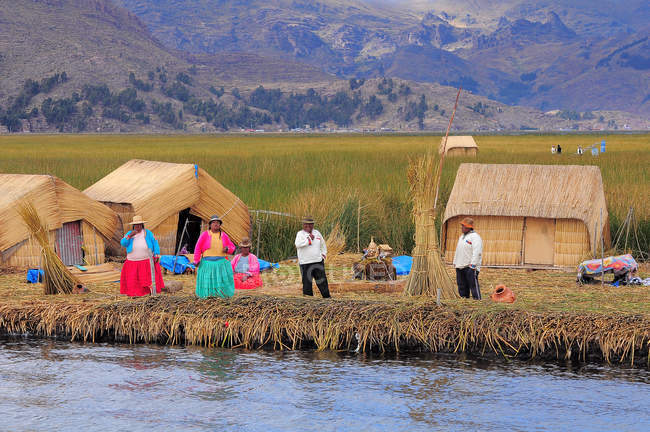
pixel 137 220
pixel 467 222
pixel 245 242
pixel 308 220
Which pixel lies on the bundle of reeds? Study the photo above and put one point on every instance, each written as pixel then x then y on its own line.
pixel 57 278
pixel 335 241
pixel 428 275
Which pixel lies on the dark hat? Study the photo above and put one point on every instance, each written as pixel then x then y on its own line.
pixel 215 218
pixel 308 220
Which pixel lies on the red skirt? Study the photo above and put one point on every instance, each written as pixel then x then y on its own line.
pixel 135 280
pixel 250 283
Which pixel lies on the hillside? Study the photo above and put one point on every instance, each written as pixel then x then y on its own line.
pixel 491 48
pixel 91 66
pixel 101 42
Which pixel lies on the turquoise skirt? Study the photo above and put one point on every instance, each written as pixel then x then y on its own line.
pixel 215 279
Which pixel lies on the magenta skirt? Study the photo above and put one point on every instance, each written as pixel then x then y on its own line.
pixel 135 280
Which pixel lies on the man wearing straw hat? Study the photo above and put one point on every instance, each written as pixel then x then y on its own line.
pixel 467 260
pixel 312 252
pixel 141 247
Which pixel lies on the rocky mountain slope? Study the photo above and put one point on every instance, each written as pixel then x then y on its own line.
pixel 90 65
pixel 492 48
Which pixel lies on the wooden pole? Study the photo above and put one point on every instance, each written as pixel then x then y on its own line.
pixel 96 252
pixel 358 226
pixel 439 176
pixel 259 234
pixel 180 243
pixel 444 150
pixel 602 250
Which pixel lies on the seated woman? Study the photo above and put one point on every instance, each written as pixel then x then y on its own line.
pixel 246 267
pixel 214 276
pixel 141 247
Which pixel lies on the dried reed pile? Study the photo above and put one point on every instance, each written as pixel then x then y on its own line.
pixel 57 278
pixel 366 326
pixel 335 241
pixel 428 272
pixel 428 275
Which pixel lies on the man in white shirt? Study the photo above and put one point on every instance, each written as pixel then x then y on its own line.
pixel 312 252
pixel 467 260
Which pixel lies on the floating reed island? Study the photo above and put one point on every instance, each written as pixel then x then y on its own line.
pixel 290 323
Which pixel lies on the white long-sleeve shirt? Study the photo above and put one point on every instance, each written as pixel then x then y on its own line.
pixel 469 251
pixel 310 251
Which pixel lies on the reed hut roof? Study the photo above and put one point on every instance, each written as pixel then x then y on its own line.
pixel 543 191
pixel 458 141
pixel 156 190
pixel 56 203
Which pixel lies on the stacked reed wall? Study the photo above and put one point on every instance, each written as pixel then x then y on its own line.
pixel 366 326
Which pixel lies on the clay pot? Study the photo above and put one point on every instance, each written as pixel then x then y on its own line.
pixel 503 294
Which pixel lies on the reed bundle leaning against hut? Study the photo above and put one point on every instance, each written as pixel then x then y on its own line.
pixel 428 275
pixel 57 278
pixel 428 272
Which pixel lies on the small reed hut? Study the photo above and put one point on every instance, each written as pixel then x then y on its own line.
pixel 173 198
pixel 79 226
pixel 529 215
pixel 459 146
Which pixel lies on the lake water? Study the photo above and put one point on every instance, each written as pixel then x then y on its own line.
pixel 50 385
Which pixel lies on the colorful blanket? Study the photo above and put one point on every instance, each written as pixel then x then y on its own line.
pixel 618 265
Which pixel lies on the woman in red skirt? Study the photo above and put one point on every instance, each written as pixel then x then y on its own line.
pixel 141 246
pixel 246 267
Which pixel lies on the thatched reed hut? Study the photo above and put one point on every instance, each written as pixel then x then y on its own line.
pixel 171 197
pixel 529 215
pixel 79 225
pixel 459 146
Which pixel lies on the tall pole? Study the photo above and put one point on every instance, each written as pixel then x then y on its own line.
pixel 602 250
pixel 444 150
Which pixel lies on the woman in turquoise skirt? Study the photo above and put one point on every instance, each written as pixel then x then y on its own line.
pixel 214 276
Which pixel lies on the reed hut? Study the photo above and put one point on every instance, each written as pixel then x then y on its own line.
pixel 459 146
pixel 78 225
pixel 529 215
pixel 173 198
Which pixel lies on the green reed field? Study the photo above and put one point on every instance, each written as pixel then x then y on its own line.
pixel 331 176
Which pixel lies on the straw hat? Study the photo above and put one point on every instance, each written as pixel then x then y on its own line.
pixel 307 220
pixel 215 218
pixel 467 222
pixel 245 242
pixel 137 220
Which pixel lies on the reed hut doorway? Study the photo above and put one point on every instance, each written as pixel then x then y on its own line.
pixel 539 241
pixel 189 230
pixel 69 243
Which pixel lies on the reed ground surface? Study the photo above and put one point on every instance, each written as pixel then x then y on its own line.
pixel 329 176
pixel 543 291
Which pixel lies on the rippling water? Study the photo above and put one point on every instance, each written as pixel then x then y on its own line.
pixel 48 385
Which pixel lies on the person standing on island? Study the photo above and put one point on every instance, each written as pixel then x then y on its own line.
pixel 467 260
pixel 141 246
pixel 553 149
pixel 214 277
pixel 312 253
pixel 559 149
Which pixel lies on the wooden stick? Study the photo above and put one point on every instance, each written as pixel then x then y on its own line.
pixel 444 150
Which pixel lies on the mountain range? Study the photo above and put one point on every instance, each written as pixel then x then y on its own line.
pixel 549 54
pixel 208 65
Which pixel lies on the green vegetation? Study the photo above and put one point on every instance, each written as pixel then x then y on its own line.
pixel 17 107
pixel 332 176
